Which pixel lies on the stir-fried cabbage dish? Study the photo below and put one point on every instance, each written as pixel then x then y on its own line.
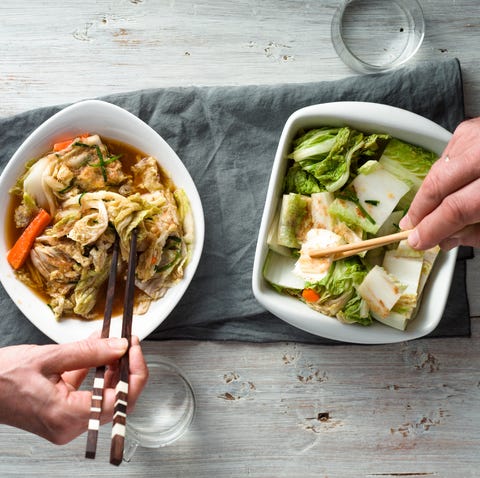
pixel 343 186
pixel 93 188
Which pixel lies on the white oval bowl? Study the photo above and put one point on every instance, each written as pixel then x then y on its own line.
pixel 367 117
pixel 113 122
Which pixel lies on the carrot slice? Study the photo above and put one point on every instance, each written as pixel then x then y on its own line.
pixel 310 295
pixel 65 144
pixel 18 254
pixel 62 145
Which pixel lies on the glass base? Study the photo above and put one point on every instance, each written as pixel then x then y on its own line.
pixel 163 411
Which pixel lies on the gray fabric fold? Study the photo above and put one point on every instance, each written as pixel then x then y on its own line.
pixel 227 138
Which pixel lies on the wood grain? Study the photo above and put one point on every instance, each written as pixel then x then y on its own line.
pixel 291 410
pixel 99 379
pixel 102 47
pixel 121 390
pixel 271 410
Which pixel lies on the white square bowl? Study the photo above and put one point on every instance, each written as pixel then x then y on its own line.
pixel 113 122
pixel 367 117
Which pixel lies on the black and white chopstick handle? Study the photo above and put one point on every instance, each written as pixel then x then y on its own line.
pixel 121 390
pixel 99 379
pixel 95 412
pixel 119 421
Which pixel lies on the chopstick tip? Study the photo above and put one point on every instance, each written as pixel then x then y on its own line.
pixel 116 450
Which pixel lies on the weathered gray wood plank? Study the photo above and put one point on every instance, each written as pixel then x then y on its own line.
pixel 54 53
pixel 299 410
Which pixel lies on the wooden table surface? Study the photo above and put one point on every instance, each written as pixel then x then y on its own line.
pixel 277 410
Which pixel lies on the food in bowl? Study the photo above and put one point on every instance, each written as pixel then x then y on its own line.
pixel 112 122
pixel 343 186
pixel 67 208
pixel 369 118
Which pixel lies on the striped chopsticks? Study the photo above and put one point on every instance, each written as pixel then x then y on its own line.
pixel 98 381
pixel 121 390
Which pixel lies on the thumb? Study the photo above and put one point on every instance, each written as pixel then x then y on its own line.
pixel 87 353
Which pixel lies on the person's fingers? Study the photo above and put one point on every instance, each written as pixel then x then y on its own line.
pixel 73 379
pixel 66 422
pixel 138 370
pixel 82 354
pixel 457 167
pixel 136 382
pixel 468 236
pixel 75 404
pixel 456 211
pixel 138 373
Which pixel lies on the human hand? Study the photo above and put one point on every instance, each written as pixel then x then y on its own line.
pixel 39 384
pixel 446 209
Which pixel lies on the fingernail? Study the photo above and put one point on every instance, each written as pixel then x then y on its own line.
pixel 405 223
pixel 413 238
pixel 135 340
pixel 118 343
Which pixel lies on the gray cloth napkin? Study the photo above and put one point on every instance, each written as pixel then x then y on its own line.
pixel 227 137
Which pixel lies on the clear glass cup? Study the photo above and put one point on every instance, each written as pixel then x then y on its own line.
pixel 373 36
pixel 163 411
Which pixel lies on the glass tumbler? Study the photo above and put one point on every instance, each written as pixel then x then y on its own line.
pixel 373 36
pixel 163 411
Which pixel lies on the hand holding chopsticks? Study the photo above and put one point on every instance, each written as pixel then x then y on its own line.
pixel 59 409
pixel 347 250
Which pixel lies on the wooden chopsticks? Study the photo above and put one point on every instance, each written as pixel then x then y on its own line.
pixel 347 250
pixel 98 381
pixel 121 390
